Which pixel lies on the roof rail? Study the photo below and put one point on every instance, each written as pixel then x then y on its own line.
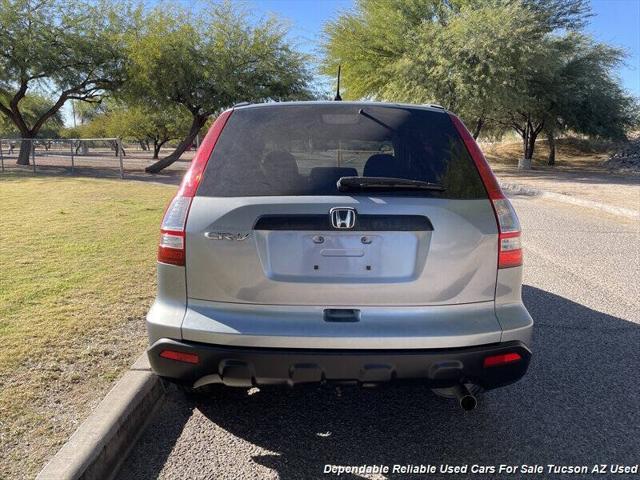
pixel 435 105
pixel 241 104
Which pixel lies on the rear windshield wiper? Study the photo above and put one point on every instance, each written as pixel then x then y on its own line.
pixel 346 184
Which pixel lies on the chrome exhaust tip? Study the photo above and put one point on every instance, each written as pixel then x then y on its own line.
pixel 466 399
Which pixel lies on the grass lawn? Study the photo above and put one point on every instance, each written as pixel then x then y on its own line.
pixel 77 274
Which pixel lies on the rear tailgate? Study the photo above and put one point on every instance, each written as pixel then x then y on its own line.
pixel 260 228
pixel 284 251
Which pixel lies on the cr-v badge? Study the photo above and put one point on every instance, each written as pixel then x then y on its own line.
pixel 227 236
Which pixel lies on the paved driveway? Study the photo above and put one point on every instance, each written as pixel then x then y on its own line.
pixel 579 404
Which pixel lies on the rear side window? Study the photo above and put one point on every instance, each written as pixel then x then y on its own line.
pixel 305 149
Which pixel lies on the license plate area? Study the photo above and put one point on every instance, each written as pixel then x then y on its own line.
pixel 342 254
pixel 332 257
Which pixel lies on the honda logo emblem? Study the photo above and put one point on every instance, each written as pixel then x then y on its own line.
pixel 343 217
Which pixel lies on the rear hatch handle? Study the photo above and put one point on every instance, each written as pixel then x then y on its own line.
pixel 341 315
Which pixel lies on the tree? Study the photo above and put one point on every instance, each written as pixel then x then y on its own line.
pixel 551 15
pixel 571 86
pixel 154 125
pixel 590 100
pixel 71 49
pixel 140 122
pixel 145 123
pixel 372 43
pixel 463 55
pixel 209 63
pixel 84 112
pixel 33 106
pixel 517 64
pixel 473 64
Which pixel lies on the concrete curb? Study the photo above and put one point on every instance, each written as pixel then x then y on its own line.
pixel 519 189
pixel 102 442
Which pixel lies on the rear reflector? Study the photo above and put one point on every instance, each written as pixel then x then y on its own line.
pixel 180 356
pixel 502 359
pixel 509 244
pixel 171 248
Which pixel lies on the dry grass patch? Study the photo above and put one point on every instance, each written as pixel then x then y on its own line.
pixel 77 274
pixel 571 153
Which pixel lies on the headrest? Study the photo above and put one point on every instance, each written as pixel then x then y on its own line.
pixel 331 174
pixel 381 165
pixel 280 162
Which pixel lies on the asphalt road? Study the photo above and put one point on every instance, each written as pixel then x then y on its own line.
pixel 578 405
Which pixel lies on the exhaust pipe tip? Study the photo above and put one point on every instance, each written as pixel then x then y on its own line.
pixel 466 399
pixel 468 402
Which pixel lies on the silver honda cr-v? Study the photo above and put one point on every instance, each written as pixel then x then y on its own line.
pixel 337 241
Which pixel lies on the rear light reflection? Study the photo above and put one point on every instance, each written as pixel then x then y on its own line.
pixel 502 359
pixel 169 240
pixel 176 214
pixel 180 356
pixel 506 215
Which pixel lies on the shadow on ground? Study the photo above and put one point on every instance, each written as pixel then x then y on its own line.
pixel 578 405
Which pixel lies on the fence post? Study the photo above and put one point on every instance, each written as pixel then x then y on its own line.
pixel 1 157
pixel 72 162
pixel 33 154
pixel 119 147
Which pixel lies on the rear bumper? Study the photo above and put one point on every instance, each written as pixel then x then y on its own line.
pixel 247 366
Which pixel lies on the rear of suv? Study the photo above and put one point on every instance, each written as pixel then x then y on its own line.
pixel 337 241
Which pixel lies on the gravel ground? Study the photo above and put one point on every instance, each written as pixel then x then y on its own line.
pixel 615 190
pixel 578 405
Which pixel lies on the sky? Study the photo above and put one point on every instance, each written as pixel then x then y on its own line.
pixel 617 22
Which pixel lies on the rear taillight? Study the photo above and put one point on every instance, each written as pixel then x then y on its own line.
pixel 171 248
pixel 509 242
pixel 510 246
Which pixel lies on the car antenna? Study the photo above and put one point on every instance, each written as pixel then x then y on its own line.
pixel 338 98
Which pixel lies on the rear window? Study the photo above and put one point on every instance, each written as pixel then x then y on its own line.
pixel 306 149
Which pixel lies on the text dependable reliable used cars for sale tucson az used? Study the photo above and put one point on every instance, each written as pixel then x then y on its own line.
pixel 354 242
